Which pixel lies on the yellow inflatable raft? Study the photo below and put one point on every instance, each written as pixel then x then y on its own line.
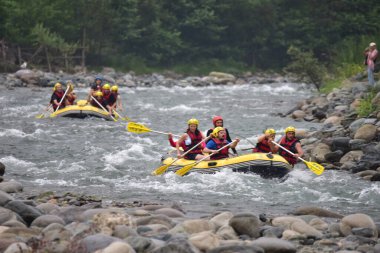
pixel 81 110
pixel 266 165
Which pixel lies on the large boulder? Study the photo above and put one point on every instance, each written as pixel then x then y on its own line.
pixel 320 151
pixel 246 224
pixel 366 132
pixel 359 220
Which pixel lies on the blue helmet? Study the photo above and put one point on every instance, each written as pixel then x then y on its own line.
pixel 98 78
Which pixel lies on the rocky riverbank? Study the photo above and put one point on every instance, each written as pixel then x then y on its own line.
pixel 346 141
pixel 49 222
pixel 37 78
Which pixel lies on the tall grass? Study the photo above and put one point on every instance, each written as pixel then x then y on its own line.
pixel 348 60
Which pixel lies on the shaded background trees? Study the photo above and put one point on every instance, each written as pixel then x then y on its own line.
pixel 129 34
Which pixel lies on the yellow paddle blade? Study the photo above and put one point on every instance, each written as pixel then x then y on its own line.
pixel 161 170
pixel 315 167
pixel 182 171
pixel 137 128
pixel 40 116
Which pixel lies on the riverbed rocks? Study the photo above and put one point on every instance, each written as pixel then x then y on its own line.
pixel 345 140
pixel 37 78
pixel 37 225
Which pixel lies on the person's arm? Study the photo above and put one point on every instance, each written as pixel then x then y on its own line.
pixel 299 150
pixel 276 148
pixel 178 144
pixel 171 141
pixel 119 103
pixel 233 145
pixel 210 147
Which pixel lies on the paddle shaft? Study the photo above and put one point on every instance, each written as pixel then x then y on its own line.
pixel 60 102
pixel 102 107
pixel 205 139
pixel 120 115
pixel 290 152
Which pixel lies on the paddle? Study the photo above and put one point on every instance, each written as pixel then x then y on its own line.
pixel 102 107
pixel 64 95
pixel 160 170
pixel 122 118
pixel 42 115
pixel 314 167
pixel 181 172
pixel 139 129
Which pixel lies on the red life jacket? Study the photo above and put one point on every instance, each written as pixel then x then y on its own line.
pixel 59 96
pixel 291 146
pixel 101 101
pixel 106 96
pixel 195 139
pixel 222 153
pixel 262 146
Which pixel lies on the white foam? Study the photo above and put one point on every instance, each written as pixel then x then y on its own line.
pixel 15 162
pixel 136 152
pixel 182 108
pixel 59 182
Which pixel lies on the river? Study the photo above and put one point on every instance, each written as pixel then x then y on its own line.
pixel 101 158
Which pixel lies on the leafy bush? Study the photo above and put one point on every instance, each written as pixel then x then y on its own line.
pixel 366 107
pixel 305 65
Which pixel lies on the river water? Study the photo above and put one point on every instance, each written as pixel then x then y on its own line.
pixel 97 157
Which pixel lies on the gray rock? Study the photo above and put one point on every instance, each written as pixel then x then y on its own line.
pixel 27 213
pixel 237 248
pixel 45 220
pixel 156 219
pixel 139 243
pixel 269 231
pixel 317 211
pixel 96 242
pixel 246 224
pixel 377 248
pixel 123 231
pixel 357 144
pixel 11 187
pixel 14 224
pixel 376 177
pixel 334 156
pixel 274 245
pixel 46 208
pixel 5 198
pixel 8 215
pixel 354 126
pixel 365 232
pixel 366 132
pixel 175 245
pixel 18 247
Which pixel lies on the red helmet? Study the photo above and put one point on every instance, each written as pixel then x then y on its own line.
pixel 216 118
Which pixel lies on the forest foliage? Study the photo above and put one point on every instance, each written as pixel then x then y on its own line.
pixel 128 34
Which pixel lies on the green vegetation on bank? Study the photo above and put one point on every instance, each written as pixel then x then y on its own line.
pixel 190 36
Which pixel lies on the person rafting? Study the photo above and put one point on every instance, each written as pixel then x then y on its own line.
pixel 100 102
pixel 109 97
pixel 291 143
pixel 264 142
pixel 217 121
pixel 57 96
pixel 189 139
pixel 217 141
pixel 94 87
pixel 118 104
pixel 70 96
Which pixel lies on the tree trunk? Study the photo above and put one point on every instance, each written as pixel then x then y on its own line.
pixel 84 50
pixel 47 59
